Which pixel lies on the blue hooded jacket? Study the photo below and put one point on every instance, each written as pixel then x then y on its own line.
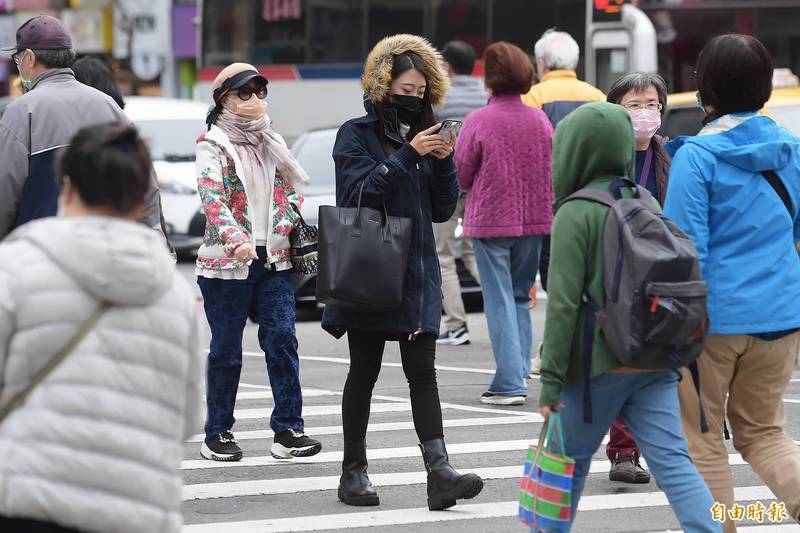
pixel 743 232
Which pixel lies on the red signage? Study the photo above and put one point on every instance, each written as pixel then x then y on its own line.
pixel 608 10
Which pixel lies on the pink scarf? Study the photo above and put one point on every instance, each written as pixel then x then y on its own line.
pixel 255 141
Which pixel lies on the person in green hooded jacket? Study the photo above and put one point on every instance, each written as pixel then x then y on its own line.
pixel 594 146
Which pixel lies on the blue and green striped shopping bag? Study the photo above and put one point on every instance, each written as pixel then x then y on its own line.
pixel 545 495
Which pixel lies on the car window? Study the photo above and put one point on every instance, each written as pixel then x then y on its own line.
pixel 679 121
pixel 788 117
pixel 171 140
pixel 313 152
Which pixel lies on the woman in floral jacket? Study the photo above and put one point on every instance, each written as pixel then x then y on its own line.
pixel 247 179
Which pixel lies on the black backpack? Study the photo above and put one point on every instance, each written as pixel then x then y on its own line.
pixel 654 315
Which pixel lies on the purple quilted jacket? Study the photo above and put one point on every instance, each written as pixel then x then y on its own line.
pixel 504 155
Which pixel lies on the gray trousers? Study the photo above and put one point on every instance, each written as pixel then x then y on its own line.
pixel 445 234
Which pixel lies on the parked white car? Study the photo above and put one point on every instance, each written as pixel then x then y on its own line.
pixel 170 128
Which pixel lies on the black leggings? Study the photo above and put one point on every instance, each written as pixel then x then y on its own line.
pixel 366 354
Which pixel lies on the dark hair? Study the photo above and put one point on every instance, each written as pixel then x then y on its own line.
pixel 94 73
pixel 638 82
pixel 734 74
pixel 460 56
pixel 109 166
pixel 402 64
pixel 508 69
pixel 63 58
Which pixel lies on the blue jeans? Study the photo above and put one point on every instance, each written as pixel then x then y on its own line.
pixel 269 296
pixel 648 403
pixel 508 271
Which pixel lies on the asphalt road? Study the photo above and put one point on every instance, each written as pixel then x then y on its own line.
pixel 262 495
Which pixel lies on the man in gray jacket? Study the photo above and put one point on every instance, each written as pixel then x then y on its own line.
pixel 43 120
pixel 467 95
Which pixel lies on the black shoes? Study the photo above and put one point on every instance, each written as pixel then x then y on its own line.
pixel 293 443
pixel 628 470
pixel 458 337
pixel 354 485
pixel 221 447
pixel 445 485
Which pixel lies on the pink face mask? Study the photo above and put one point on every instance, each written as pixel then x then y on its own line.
pixel 645 124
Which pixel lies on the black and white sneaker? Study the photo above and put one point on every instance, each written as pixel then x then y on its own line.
pixel 459 337
pixel 221 447
pixel 293 443
pixel 496 399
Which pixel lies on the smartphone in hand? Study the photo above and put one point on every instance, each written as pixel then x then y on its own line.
pixel 448 129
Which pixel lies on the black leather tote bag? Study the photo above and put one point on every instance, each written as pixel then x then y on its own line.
pixel 363 254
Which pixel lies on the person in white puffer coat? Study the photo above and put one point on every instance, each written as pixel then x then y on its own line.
pixel 97 445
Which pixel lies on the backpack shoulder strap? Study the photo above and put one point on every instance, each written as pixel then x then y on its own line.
pixel 84 329
pixel 777 184
pixel 590 194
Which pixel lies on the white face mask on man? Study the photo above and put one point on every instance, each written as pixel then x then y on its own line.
pixel 645 123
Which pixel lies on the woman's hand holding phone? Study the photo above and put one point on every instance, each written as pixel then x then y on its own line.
pixel 428 141
pixel 449 131
pixel 447 150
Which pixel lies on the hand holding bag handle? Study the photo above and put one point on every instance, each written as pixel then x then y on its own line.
pixel 356 231
pixel 18 399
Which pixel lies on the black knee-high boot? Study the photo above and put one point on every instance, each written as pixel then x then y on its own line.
pixel 445 485
pixel 354 485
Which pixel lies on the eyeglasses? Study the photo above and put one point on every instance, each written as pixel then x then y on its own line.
pixel 16 56
pixel 638 106
pixel 245 93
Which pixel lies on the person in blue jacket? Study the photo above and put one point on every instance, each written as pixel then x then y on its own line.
pixel 395 155
pixel 745 230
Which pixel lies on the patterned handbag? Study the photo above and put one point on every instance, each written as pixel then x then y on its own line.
pixel 303 242
pixel 545 495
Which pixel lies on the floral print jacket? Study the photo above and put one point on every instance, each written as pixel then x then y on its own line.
pixel 228 210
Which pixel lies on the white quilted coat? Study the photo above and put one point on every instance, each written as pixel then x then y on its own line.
pixel 97 446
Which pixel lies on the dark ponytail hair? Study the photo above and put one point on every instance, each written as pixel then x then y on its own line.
pixel 402 64
pixel 109 166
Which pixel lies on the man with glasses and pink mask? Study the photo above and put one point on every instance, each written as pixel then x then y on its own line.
pixel 644 96
pixel 248 182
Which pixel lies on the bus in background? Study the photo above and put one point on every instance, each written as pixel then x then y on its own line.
pixel 312 51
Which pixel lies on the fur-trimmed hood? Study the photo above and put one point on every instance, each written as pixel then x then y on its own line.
pixel 380 61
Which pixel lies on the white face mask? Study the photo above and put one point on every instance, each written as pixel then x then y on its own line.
pixel 645 123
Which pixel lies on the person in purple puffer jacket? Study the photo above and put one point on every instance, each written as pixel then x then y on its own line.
pixel 503 157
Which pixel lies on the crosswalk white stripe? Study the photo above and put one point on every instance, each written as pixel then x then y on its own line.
pixel 266 394
pixel 204 491
pixel 421 515
pixel 394 426
pixel 323 410
pixel 396 405
pixel 249 386
pixel 373 454
pixel 345 361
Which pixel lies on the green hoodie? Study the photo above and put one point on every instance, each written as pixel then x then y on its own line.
pixel 593 145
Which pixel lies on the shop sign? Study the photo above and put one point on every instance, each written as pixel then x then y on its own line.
pixel 87 28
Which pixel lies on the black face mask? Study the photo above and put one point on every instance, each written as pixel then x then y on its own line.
pixel 409 108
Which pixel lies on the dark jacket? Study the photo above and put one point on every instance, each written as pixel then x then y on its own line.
pixel 32 130
pixel 662 161
pixel 424 189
